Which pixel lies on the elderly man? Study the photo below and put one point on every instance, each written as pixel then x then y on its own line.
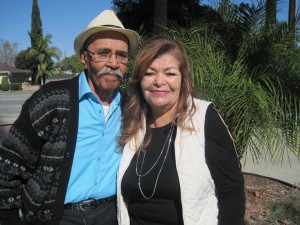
pixel 59 161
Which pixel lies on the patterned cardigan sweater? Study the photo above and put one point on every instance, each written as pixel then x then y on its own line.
pixel 36 156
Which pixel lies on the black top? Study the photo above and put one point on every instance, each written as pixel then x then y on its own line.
pixel 165 207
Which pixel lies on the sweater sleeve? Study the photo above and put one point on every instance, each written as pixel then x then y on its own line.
pixel 19 154
pixel 224 166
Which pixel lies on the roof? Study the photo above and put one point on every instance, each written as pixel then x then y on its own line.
pixel 10 70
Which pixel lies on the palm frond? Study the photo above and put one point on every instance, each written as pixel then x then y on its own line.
pixel 263 119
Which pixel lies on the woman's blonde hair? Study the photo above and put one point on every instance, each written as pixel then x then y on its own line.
pixel 137 109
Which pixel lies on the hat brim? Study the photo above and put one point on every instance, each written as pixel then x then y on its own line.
pixel 133 37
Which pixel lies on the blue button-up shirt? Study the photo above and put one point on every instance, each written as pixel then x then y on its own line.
pixel 96 159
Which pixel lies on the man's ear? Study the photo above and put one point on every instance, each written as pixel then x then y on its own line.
pixel 83 58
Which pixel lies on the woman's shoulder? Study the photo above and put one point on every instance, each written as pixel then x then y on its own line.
pixel 201 104
pixel 201 101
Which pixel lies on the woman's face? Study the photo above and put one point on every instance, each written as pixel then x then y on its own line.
pixel 161 83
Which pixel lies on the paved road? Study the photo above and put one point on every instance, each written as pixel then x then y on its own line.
pixel 10 106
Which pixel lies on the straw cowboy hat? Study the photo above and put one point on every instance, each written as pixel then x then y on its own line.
pixel 107 21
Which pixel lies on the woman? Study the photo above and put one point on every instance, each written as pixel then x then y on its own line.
pixel 179 163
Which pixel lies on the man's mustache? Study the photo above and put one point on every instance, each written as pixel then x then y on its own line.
pixel 107 70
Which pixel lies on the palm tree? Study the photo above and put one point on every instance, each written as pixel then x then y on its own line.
pixel 263 117
pixel 241 65
pixel 41 56
pixel 244 32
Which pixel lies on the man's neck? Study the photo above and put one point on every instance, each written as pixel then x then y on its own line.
pixel 105 97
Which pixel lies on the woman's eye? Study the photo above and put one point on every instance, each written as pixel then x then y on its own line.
pixel 149 73
pixel 171 74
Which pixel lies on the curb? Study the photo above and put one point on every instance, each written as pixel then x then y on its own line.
pixel 274 179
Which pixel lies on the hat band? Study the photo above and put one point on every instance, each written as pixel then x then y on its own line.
pixel 111 26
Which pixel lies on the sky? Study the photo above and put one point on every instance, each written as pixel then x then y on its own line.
pixel 63 19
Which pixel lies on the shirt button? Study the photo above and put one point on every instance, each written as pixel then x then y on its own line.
pixel 67 156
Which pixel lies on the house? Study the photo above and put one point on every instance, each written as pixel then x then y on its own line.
pixel 10 76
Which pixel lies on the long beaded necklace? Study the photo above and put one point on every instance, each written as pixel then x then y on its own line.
pixel 139 173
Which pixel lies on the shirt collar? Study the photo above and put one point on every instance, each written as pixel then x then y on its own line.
pixel 84 87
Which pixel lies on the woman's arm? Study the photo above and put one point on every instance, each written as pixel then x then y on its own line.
pixel 223 163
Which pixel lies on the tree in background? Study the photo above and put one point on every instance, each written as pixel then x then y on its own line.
pixel 42 55
pixel 22 61
pixel 246 31
pixel 160 15
pixel 248 70
pixel 252 30
pixel 182 12
pixel 292 20
pixel 72 63
pixel 35 34
pixel 264 118
pixel 8 53
pixel 256 69
pixel 271 11
pixel 36 24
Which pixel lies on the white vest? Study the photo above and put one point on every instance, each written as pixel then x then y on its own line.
pixel 198 199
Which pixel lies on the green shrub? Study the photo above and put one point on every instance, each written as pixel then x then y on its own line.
pixel 285 209
pixel 15 86
pixel 5 84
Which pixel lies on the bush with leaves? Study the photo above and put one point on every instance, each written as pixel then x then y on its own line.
pixel 263 117
pixel 285 210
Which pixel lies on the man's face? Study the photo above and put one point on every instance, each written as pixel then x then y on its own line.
pixel 105 58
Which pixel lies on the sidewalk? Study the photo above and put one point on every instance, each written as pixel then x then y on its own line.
pixel 287 171
pixel 29 87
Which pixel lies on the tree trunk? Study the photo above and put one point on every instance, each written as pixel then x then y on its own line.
pixel 271 11
pixel 292 20
pixel 160 16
